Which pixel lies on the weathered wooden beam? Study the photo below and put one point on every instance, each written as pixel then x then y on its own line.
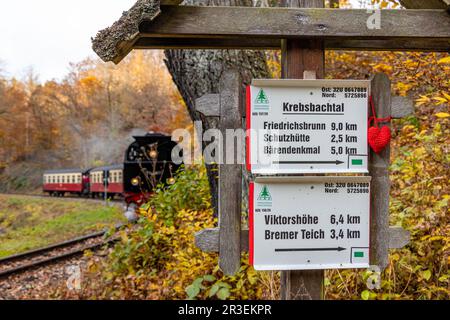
pixel 302 59
pixel 275 44
pixel 285 23
pixel 209 106
pixel 170 2
pixel 401 107
pixel 379 171
pixel 207 43
pixel 398 237
pixel 230 175
pixel 207 240
pixel 425 4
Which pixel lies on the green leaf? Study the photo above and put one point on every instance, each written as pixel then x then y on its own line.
pixel 223 284
pixel 365 295
pixel 198 282
pixel 426 274
pixel 443 278
pixel 192 291
pixel 213 290
pixel 209 278
pixel 223 293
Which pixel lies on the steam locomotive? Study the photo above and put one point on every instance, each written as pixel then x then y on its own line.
pixel 147 164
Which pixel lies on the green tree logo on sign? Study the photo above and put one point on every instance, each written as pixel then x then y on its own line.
pixel 264 195
pixel 262 97
pixel 261 101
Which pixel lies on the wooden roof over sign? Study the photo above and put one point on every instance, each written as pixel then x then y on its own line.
pixel 163 24
pixel 115 42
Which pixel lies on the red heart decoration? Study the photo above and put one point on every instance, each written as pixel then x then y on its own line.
pixel 379 138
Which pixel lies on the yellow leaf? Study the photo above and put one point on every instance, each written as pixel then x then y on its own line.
pixel 440 100
pixel 444 60
pixel 447 96
pixel 442 115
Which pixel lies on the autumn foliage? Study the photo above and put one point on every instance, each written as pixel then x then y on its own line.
pixel 87 118
pixel 160 260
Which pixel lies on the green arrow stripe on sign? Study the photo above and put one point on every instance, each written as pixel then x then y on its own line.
pixel 357 162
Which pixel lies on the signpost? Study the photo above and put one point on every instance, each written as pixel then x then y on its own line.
pixel 307 126
pixel 306 223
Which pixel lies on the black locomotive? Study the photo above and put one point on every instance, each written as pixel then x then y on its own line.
pixel 147 163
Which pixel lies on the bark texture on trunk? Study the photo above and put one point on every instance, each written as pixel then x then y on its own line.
pixel 197 72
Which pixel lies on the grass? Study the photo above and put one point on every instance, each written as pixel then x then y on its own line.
pixel 27 223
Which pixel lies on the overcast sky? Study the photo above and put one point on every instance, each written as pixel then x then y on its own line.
pixel 48 34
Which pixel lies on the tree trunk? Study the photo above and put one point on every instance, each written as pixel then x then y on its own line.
pixel 197 72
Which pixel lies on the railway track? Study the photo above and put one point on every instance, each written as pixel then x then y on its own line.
pixel 43 256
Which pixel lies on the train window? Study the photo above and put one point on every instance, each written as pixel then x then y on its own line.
pixel 120 176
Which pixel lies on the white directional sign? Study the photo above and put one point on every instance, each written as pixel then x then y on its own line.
pixel 305 223
pixel 307 126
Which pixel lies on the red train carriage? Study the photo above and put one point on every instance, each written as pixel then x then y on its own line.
pixel 60 182
pixel 107 180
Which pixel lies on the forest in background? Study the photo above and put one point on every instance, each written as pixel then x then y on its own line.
pixel 85 120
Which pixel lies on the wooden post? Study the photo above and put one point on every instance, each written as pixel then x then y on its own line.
pixel 378 169
pixel 301 58
pixel 230 176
